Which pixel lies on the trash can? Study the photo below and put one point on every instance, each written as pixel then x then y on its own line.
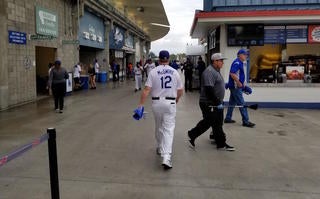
pixel 69 84
pixel 84 79
pixel 103 77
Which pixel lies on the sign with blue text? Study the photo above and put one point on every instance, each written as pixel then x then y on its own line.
pixel 17 37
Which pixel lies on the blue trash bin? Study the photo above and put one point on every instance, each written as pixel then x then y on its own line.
pixel 103 77
pixel 84 81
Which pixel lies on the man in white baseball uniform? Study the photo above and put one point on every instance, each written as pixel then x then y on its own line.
pixel 149 66
pixel 166 88
pixel 138 76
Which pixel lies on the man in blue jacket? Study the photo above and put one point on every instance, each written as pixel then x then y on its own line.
pixel 236 84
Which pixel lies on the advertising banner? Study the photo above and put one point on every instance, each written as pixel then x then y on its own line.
pixel 116 38
pixel 92 31
pixel 314 34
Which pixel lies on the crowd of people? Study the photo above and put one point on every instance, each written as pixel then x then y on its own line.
pixel 164 84
pixel 165 87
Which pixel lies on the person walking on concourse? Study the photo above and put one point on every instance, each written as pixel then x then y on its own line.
pixel 165 86
pixel 211 104
pixel 236 85
pixel 57 82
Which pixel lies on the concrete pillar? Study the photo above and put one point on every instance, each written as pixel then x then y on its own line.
pixel 138 49
pixel 4 88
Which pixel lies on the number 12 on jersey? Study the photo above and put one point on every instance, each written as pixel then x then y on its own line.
pixel 165 82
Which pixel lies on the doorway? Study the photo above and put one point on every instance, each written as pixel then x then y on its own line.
pixel 44 56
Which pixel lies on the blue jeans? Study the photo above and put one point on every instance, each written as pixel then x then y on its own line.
pixel 236 98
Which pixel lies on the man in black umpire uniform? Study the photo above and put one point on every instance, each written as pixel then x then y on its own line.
pixel 188 71
pixel 211 104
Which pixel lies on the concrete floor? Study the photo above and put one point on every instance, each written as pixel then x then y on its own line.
pixel 104 153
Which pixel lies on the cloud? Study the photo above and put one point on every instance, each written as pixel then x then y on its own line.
pixel 180 14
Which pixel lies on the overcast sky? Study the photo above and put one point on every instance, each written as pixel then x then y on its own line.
pixel 180 14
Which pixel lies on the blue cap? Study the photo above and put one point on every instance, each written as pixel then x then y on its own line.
pixel 57 62
pixel 242 51
pixel 164 55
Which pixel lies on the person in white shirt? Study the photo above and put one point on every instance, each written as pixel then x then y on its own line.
pixel 149 66
pixel 138 76
pixel 96 66
pixel 166 88
pixel 76 75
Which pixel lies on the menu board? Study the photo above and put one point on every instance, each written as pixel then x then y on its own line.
pixel 297 34
pixel 274 34
pixel 314 34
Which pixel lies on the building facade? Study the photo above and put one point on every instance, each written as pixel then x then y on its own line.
pixel 282 38
pixel 37 32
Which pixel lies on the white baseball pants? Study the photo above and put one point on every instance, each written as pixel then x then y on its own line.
pixel 138 79
pixel 164 112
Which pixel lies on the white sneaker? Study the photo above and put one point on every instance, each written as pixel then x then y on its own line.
pixel 57 110
pixel 166 163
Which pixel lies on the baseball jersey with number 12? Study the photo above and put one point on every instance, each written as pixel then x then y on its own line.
pixel 164 81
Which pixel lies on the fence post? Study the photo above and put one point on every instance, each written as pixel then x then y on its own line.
pixel 53 163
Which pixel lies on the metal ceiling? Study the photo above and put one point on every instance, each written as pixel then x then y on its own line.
pixel 149 15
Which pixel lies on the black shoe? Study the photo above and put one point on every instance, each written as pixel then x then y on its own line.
pixel 135 90
pixel 211 136
pixel 229 121
pixel 191 140
pixel 249 124
pixel 226 147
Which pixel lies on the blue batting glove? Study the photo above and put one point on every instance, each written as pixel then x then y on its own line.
pixel 226 86
pixel 220 106
pixel 247 90
pixel 138 113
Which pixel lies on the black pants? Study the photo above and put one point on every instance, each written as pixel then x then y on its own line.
pixel 114 76
pixel 211 118
pixel 187 81
pixel 58 91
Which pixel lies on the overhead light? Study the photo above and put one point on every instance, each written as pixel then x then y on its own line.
pixel 140 9
pixel 158 24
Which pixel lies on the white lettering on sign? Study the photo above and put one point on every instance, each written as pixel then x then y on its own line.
pixel 93 37
pixel 86 35
pixel 47 17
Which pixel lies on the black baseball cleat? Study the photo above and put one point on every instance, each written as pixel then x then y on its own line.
pixel 226 147
pixel 191 141
pixel 249 124
pixel 229 121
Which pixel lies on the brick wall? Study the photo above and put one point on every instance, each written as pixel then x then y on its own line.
pixel 21 17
